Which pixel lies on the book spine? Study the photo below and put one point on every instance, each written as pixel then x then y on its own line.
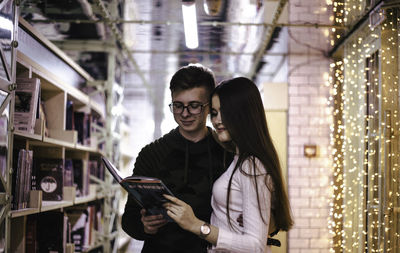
pixel 27 181
pixel 20 177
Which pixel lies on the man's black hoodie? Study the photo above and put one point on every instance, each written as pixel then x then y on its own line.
pixel 189 170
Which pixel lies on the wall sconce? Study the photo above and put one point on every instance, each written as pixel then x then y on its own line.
pixel 212 7
pixel 310 150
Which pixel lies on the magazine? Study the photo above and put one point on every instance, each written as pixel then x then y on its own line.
pixel 147 191
pixel 27 97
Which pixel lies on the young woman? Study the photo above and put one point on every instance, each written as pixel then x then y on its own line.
pixel 251 186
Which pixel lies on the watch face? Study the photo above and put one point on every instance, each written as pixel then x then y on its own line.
pixel 205 229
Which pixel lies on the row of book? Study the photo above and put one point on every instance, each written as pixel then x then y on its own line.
pixel 50 175
pixel 29 107
pixel 23 179
pixel 52 231
pixel 84 123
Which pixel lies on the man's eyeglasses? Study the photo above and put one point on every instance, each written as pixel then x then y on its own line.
pixel 193 107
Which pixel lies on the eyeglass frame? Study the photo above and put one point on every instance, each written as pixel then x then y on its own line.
pixel 187 107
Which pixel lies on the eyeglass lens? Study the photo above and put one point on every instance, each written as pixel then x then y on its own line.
pixel 193 108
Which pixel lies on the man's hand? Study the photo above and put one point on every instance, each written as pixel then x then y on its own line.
pixel 151 223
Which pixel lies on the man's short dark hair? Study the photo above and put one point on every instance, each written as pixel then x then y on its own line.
pixel 193 76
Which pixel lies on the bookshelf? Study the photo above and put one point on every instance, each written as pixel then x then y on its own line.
pixel 25 53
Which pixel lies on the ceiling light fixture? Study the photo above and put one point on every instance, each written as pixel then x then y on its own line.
pixel 190 23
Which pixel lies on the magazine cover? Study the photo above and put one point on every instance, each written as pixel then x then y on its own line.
pixel 27 97
pixel 49 177
pixel 147 191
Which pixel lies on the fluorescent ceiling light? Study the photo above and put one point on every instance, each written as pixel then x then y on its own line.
pixel 190 25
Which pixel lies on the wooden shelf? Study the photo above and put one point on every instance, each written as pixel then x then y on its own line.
pixel 84 199
pixel 54 205
pixel 47 141
pixel 28 135
pixel 50 142
pixel 50 82
pixel 69 200
pixel 91 197
pixel 46 48
pixel 24 212
pixel 86 148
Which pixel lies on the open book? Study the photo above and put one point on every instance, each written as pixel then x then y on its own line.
pixel 147 191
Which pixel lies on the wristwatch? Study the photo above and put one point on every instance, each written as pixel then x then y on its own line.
pixel 205 230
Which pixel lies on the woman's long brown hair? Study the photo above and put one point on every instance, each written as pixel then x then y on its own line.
pixel 242 113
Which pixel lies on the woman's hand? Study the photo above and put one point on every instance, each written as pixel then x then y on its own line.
pixel 182 214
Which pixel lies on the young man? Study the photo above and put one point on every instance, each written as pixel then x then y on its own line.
pixel 187 159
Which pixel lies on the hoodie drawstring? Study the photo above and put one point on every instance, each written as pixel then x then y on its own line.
pixel 210 171
pixel 185 178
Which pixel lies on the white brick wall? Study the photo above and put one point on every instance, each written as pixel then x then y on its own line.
pixel 308 123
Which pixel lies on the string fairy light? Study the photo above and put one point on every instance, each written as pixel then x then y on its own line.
pixel 365 134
